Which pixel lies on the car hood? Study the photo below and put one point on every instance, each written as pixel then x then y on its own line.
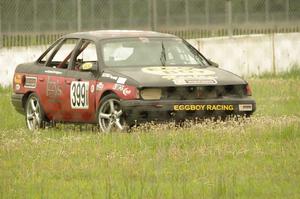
pixel 165 76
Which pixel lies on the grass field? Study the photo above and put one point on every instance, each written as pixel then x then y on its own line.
pixel 248 158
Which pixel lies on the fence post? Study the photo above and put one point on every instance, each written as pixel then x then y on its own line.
pixel 79 15
pixel 207 12
pixel 35 15
pixel 267 10
pixel 287 10
pixel 17 16
pixel 168 13
pixel 229 17
pixel 149 14
pixel 130 13
pixel 111 14
pixel 93 26
pixel 54 15
pixel 187 13
pixel 246 11
pixel 154 15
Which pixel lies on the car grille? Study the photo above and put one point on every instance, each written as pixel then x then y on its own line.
pixel 203 92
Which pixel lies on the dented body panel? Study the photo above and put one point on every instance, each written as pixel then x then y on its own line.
pixel 70 89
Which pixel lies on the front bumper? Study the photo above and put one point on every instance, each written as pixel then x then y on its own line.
pixel 17 102
pixel 161 110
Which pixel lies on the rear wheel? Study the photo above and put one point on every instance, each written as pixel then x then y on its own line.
pixel 34 114
pixel 110 114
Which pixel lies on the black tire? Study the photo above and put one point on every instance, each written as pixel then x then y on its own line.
pixel 110 115
pixel 34 113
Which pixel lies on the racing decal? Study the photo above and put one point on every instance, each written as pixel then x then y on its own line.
pixel 92 88
pixel 122 88
pixel 79 95
pixel 30 82
pixel 184 75
pixel 183 81
pixel 53 72
pixel 126 91
pixel 53 89
pixel 99 86
pixel 203 107
pixel 119 80
pixel 87 66
pixel 108 75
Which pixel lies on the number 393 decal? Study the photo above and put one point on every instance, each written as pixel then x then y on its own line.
pixel 79 95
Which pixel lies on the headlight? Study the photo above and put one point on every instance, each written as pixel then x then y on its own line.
pixel 151 93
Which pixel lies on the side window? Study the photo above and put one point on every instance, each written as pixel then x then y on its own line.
pixel 86 53
pixel 61 57
pixel 45 56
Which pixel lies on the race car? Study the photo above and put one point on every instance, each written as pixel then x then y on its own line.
pixel 119 78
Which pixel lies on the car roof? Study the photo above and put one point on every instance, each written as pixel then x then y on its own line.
pixel 111 34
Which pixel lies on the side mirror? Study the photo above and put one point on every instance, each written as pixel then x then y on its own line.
pixel 89 66
pixel 214 64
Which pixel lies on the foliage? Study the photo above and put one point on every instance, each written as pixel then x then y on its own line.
pixel 292 73
pixel 255 157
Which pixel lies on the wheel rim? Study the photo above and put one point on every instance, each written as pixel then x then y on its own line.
pixel 33 118
pixel 110 116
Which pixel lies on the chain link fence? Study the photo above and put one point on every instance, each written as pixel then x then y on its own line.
pixel 30 22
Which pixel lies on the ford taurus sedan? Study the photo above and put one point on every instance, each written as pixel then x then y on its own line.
pixel 119 78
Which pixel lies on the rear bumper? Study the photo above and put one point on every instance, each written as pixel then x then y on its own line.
pixel 149 110
pixel 17 102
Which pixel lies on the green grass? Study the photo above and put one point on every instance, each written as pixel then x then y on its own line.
pixel 247 158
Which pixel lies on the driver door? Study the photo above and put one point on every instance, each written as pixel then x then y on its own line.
pixel 80 83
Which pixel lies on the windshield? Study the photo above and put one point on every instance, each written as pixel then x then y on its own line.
pixel 141 52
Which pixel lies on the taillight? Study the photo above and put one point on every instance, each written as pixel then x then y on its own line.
pixel 248 90
pixel 18 79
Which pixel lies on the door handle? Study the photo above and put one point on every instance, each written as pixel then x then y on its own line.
pixel 41 79
pixel 68 82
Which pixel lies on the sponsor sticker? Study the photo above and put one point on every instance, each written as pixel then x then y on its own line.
pixel 92 88
pixel 203 107
pixel 126 91
pixel 53 89
pixel 99 86
pixel 182 81
pixel 184 75
pixel 87 66
pixel 121 80
pixel 30 82
pixel 108 75
pixel 122 88
pixel 53 72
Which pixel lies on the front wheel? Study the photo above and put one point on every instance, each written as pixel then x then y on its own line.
pixel 110 114
pixel 34 114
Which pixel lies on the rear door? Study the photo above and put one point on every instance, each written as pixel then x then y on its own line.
pixel 55 68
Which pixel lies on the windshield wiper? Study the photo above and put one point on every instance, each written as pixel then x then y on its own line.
pixel 163 58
